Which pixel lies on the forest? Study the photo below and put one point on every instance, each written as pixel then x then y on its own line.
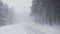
pixel 46 12
pixel 6 14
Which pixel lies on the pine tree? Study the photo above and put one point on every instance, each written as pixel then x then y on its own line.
pixel 46 11
pixel 5 14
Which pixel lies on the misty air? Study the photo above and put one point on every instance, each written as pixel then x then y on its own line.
pixel 29 16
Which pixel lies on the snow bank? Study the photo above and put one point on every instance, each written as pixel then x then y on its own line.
pixel 32 27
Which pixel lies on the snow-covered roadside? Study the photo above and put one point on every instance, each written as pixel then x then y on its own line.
pixel 13 29
pixel 28 28
pixel 33 28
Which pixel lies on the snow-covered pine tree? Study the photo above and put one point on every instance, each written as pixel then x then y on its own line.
pixel 5 14
pixel 46 11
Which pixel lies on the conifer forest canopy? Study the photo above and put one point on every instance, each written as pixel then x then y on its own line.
pixel 6 14
pixel 46 11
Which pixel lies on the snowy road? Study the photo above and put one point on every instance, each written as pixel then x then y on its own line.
pixel 13 29
pixel 19 28
pixel 27 28
pixel 31 30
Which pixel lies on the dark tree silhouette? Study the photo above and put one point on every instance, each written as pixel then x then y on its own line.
pixel 46 11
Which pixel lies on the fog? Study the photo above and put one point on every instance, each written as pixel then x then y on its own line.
pixel 24 23
pixel 22 11
pixel 21 8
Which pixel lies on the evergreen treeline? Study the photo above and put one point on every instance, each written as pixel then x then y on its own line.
pixel 6 14
pixel 46 11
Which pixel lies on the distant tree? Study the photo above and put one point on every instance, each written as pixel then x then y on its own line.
pixel 6 14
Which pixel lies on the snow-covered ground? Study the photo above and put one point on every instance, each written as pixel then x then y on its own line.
pixel 33 28
pixel 13 29
pixel 28 28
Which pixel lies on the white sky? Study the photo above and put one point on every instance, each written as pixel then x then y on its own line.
pixel 21 7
